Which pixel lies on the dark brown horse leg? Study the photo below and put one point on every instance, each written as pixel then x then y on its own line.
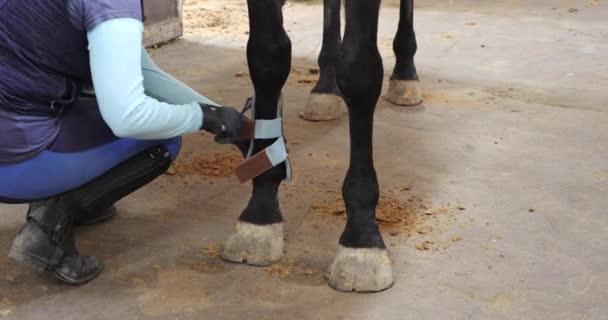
pixel 362 263
pixel 258 239
pixel 404 88
pixel 325 102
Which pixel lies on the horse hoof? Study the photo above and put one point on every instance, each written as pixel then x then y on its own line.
pixel 258 245
pixel 361 270
pixel 404 92
pixel 324 107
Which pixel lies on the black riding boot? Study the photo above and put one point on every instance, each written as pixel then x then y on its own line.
pixel 46 242
pixel 94 216
pixel 74 268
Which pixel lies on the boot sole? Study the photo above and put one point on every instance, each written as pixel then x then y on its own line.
pixel 77 282
pixel 41 264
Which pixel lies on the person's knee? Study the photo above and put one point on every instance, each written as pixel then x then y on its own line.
pixel 174 145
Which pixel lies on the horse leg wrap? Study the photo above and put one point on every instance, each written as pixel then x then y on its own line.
pixel 270 157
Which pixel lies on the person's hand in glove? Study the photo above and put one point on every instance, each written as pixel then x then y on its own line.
pixel 226 123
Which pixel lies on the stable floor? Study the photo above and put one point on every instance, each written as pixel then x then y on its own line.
pixel 494 189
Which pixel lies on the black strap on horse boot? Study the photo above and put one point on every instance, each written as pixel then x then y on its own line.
pixel 46 242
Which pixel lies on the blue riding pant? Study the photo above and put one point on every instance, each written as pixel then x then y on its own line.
pixel 84 149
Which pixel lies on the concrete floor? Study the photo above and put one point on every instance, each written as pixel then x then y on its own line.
pixel 512 132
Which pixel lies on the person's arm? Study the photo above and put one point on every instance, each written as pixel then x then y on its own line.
pixel 115 58
pixel 164 87
pixel 116 68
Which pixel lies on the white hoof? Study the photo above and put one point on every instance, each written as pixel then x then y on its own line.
pixel 361 270
pixel 404 92
pixel 258 245
pixel 324 107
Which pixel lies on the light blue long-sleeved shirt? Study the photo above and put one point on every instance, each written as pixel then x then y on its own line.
pixel 136 98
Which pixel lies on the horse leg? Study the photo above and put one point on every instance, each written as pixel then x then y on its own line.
pixel 325 101
pixel 404 88
pixel 258 239
pixel 362 262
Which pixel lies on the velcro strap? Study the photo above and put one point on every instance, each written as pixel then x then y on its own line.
pixel 261 129
pixel 262 161
pixel 273 155
pixel 277 152
pixel 268 129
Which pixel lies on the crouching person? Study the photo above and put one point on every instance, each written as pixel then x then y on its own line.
pixel 72 154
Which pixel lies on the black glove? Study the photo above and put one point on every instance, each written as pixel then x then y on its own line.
pixel 224 122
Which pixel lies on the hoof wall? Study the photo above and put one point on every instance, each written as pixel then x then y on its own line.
pixel 258 245
pixel 361 270
pixel 324 107
pixel 404 92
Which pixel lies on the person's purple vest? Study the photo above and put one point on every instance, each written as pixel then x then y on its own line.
pixel 43 61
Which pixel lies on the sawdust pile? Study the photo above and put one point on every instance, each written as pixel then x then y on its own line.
pixel 394 216
pixel 205 260
pixel 281 270
pixel 291 270
pixel 412 217
pixel 206 164
pixel 210 17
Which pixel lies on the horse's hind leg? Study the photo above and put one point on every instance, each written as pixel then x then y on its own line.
pixel 258 239
pixel 325 102
pixel 362 262
pixel 404 88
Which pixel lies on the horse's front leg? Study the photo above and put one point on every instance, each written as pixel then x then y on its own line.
pixel 404 88
pixel 362 262
pixel 258 239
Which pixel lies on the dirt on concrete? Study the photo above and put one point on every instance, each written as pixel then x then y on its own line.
pixel 202 165
pixel 296 271
pixel 392 214
pixel 506 128
pixel 206 259
pixel 211 18
pixel 413 217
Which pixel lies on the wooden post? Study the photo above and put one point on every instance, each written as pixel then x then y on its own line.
pixel 164 21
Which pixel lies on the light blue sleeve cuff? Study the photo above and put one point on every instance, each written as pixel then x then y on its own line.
pixel 116 67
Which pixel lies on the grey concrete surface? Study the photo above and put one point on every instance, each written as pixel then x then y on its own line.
pixel 513 132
